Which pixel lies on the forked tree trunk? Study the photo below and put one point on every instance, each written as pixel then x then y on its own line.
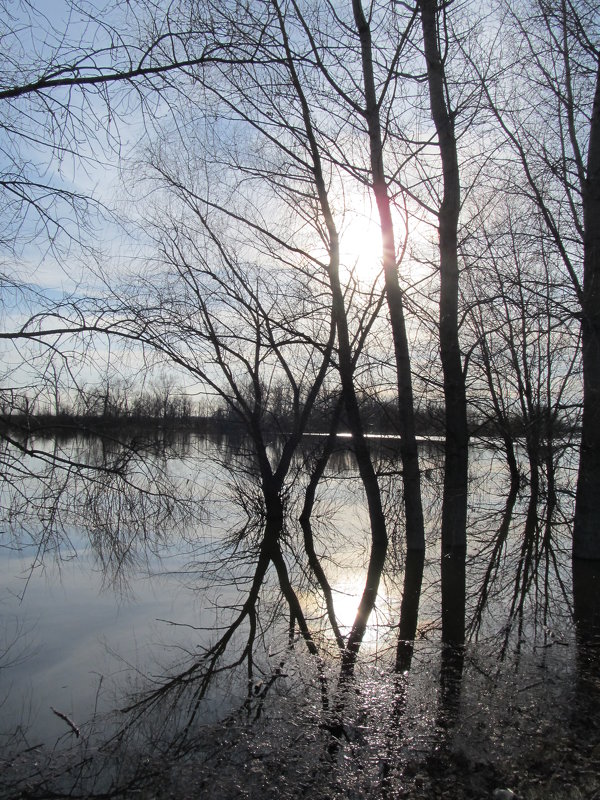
pixel 366 469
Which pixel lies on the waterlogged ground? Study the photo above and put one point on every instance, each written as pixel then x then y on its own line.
pixel 457 725
pixel 403 736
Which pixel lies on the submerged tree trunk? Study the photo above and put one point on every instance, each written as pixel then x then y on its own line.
pixel 586 533
pixel 411 479
pixel 409 610
pixel 454 509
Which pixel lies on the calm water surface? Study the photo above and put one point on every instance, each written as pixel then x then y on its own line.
pixel 78 639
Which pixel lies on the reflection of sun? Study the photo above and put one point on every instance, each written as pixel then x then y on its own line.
pixel 346 598
pixel 347 592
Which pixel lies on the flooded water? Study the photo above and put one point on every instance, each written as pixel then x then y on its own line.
pixel 134 664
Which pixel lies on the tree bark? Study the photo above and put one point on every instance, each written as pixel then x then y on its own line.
pixel 411 478
pixel 454 507
pixel 586 531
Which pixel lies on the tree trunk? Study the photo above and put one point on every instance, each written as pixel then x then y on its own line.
pixel 366 469
pixel 409 610
pixel 454 507
pixel 411 478
pixel 586 532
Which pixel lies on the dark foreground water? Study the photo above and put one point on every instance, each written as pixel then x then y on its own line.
pixel 105 688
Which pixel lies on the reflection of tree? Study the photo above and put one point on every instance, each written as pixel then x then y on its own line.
pixel 494 558
pixel 316 474
pixel 249 694
pixel 124 494
pixel 189 687
pixel 586 581
pixel 517 572
pixel 409 611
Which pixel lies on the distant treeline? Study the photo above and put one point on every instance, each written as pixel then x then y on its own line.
pixel 102 409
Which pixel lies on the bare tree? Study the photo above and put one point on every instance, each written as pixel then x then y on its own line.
pixel 70 82
pixel 244 307
pixel 556 144
pixel 410 460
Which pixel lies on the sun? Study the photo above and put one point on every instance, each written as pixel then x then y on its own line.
pixel 360 242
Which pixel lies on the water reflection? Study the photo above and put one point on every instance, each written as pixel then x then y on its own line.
pixel 586 596
pixel 409 610
pixel 469 664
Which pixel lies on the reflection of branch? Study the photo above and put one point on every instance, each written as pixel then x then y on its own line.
pixel 200 674
pixel 319 573
pixel 261 689
pixel 68 720
pixel 203 669
pixel 198 677
pixel 535 560
pixel 292 600
pixel 305 516
pixel 527 562
pixel 494 561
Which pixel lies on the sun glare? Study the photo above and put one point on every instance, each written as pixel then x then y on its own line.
pixel 346 598
pixel 360 246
